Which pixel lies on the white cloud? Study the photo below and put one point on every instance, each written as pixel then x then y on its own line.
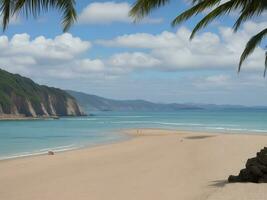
pixel 133 60
pixel 88 65
pixel 66 56
pixel 174 51
pixel 37 56
pixel 229 82
pixel 217 79
pixel 62 47
pixel 109 12
pixel 64 61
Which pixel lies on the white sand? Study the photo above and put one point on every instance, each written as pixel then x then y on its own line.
pixel 157 165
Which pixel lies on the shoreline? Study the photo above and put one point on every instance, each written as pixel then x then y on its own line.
pixel 23 118
pixel 60 151
pixel 155 164
pixel 132 133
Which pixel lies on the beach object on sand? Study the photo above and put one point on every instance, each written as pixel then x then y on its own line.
pixel 51 153
pixel 255 171
pixel 139 132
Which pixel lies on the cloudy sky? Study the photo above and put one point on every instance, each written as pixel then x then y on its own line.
pixel 105 53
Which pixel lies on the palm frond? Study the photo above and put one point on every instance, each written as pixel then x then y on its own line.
pixel 196 1
pixel 249 10
pixel 194 10
pixel 218 11
pixel 265 69
pixel 251 45
pixel 142 7
pixel 5 12
pixel 35 7
pixel 69 13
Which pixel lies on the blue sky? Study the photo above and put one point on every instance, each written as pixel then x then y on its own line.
pixel 105 53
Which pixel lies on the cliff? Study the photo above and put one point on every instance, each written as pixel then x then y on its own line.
pixel 21 97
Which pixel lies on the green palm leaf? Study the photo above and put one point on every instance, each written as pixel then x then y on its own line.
pixel 249 10
pixel 196 9
pixel 265 69
pixel 35 7
pixel 220 10
pixel 5 12
pixel 251 45
pixel 142 7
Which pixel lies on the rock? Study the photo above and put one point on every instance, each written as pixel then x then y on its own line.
pixel 234 179
pixel 262 168
pixel 255 171
pixel 252 161
pixel 263 179
pixel 51 153
pixel 262 159
pixel 246 176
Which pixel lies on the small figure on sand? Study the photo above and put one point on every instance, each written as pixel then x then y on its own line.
pixel 139 132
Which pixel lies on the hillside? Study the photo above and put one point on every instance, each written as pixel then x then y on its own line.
pixel 21 97
pixel 96 103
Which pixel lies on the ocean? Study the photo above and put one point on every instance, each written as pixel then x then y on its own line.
pixel 25 138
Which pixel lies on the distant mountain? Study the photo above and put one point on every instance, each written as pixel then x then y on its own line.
pixel 228 107
pixel 21 97
pixel 96 103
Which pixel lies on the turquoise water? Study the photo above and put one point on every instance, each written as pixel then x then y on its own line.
pixel 23 138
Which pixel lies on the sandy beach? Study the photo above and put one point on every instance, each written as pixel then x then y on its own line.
pixel 156 164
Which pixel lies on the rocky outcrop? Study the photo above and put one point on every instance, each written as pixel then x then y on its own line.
pixel 255 171
pixel 58 105
pixel 20 96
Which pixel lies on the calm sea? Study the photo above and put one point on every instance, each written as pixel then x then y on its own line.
pixel 24 138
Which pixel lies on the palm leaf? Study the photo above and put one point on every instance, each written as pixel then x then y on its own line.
pixel 69 13
pixel 250 9
pixel 218 11
pixel 5 12
pixel 196 9
pixel 142 7
pixel 35 7
pixel 251 45
pixel 265 69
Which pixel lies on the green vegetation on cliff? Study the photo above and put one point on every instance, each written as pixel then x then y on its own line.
pixel 21 96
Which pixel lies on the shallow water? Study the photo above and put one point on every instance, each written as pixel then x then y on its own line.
pixel 23 138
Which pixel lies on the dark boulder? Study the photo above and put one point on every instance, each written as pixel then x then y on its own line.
pixel 263 179
pixel 234 179
pixel 51 153
pixel 255 171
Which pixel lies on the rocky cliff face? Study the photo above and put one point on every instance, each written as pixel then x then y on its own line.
pixel 20 96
